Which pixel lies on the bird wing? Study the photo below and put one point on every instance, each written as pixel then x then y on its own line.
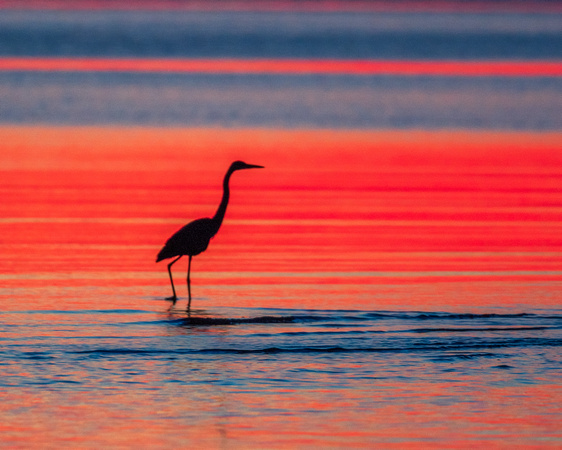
pixel 191 239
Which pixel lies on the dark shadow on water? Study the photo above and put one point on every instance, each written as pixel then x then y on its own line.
pixel 381 321
pixel 236 321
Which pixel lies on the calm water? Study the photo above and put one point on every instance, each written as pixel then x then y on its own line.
pixel 392 277
pixel 278 376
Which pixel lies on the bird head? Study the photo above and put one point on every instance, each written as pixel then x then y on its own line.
pixel 240 165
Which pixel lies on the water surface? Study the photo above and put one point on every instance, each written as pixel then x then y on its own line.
pixel 391 278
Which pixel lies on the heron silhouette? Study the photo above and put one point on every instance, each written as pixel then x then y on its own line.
pixel 193 238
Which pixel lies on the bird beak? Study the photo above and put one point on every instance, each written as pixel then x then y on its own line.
pixel 253 166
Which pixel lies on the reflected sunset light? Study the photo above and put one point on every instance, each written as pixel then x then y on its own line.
pixel 366 67
pixel 391 278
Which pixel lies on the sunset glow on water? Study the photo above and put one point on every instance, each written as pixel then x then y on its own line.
pixel 391 278
pixel 443 68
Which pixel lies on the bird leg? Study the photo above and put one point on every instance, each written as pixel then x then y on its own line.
pixel 173 297
pixel 189 283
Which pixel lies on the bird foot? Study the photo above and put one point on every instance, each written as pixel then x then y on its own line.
pixel 173 298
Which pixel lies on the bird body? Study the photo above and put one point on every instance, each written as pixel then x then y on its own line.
pixel 193 238
pixel 190 239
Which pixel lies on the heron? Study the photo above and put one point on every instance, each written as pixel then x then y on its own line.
pixel 193 238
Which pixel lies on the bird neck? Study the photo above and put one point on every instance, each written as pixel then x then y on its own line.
pixel 219 215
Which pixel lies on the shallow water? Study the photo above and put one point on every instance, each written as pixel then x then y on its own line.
pixel 230 376
pixel 391 278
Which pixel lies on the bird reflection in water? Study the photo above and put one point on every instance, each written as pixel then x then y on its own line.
pixel 193 238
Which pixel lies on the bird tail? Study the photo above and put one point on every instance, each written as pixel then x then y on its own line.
pixel 163 254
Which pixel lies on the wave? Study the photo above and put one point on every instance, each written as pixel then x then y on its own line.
pixel 474 330
pixel 362 317
pixel 328 332
pixel 415 348
pixel 297 318
pixel 444 315
pixel 243 320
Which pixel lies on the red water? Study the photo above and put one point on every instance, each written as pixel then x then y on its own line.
pixel 374 220
pixel 378 206
pixel 288 66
